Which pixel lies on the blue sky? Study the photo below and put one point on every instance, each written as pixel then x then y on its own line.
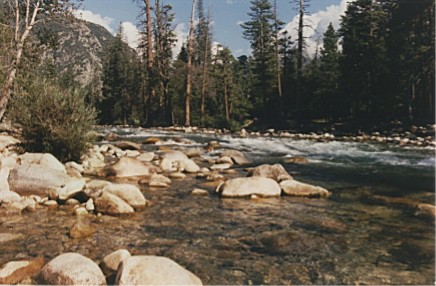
pixel 226 16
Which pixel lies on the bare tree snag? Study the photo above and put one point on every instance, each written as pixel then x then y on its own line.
pixel 189 77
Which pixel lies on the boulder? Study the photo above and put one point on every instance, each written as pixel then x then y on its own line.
pixel 94 188
pixel 74 165
pixel 71 189
pixel 46 159
pixel 191 166
pixel 129 167
pixel 175 155
pixel 168 165
pixel 127 145
pixel 298 189
pixel 237 156
pixel 9 162
pixel 81 229
pixel 9 197
pixel 225 159
pixel 153 270
pixel 157 180
pixel 110 262
pixel 243 187
pixel 192 152
pixel 110 204
pixel 72 269
pixel 14 272
pixel 177 175
pixel 275 172
pixel 146 157
pixel 34 179
pixel 128 193
pixel 6 141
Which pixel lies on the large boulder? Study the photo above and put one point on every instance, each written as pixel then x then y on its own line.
pixel 14 272
pixel 237 156
pixel 276 172
pixel 46 159
pixel 129 193
pixel 94 188
pixel 175 155
pixel 153 270
pixel 191 166
pixel 35 179
pixel 71 189
pixel 111 204
pixel 72 269
pixel 7 141
pixel 129 167
pixel 298 189
pixel 243 187
pixel 110 262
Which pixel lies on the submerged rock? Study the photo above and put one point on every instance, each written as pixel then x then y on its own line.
pixel 72 269
pixel 127 145
pixel 296 160
pixel 276 172
pixel 81 229
pixel 243 187
pixel 153 270
pixel 427 209
pixel 298 189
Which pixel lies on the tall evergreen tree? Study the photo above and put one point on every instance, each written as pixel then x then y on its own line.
pixel 326 95
pixel 260 32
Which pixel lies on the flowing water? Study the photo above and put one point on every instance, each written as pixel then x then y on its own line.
pixel 350 238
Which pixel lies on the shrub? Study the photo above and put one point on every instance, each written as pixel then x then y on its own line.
pixel 53 119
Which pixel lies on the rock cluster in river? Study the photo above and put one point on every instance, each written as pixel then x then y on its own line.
pixel 119 268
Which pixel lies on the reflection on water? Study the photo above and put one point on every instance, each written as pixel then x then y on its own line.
pixel 346 239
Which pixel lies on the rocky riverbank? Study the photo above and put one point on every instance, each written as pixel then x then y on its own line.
pixel 418 136
pixel 109 182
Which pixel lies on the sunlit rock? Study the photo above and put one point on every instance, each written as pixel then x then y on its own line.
pixel 111 204
pixel 275 172
pixel 153 270
pixel 72 269
pixel 127 145
pixel 129 167
pixel 243 187
pixel 44 159
pixel 128 193
pixel 237 156
pixel 14 272
pixel 110 262
pixel 298 189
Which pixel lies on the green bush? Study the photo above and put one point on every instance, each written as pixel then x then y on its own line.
pixel 53 119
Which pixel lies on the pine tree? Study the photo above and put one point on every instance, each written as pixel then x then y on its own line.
pixel 260 31
pixel 329 74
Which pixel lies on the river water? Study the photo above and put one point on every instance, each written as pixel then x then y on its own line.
pixel 349 238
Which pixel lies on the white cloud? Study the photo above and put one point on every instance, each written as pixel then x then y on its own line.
pixel 131 33
pixel 94 18
pixel 181 32
pixel 319 22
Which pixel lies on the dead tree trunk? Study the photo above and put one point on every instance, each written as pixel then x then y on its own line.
pixel 189 76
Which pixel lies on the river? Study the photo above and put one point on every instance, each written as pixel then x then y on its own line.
pixel 352 237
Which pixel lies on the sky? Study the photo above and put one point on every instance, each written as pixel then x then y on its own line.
pixel 227 15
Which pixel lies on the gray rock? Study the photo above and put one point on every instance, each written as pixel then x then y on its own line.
pixel 71 189
pixel 94 188
pixel 153 270
pixel 191 166
pixel 72 269
pixel 243 187
pixel 44 159
pixel 110 204
pixel 146 157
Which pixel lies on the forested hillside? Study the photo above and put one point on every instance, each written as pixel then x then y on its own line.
pixel 377 67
